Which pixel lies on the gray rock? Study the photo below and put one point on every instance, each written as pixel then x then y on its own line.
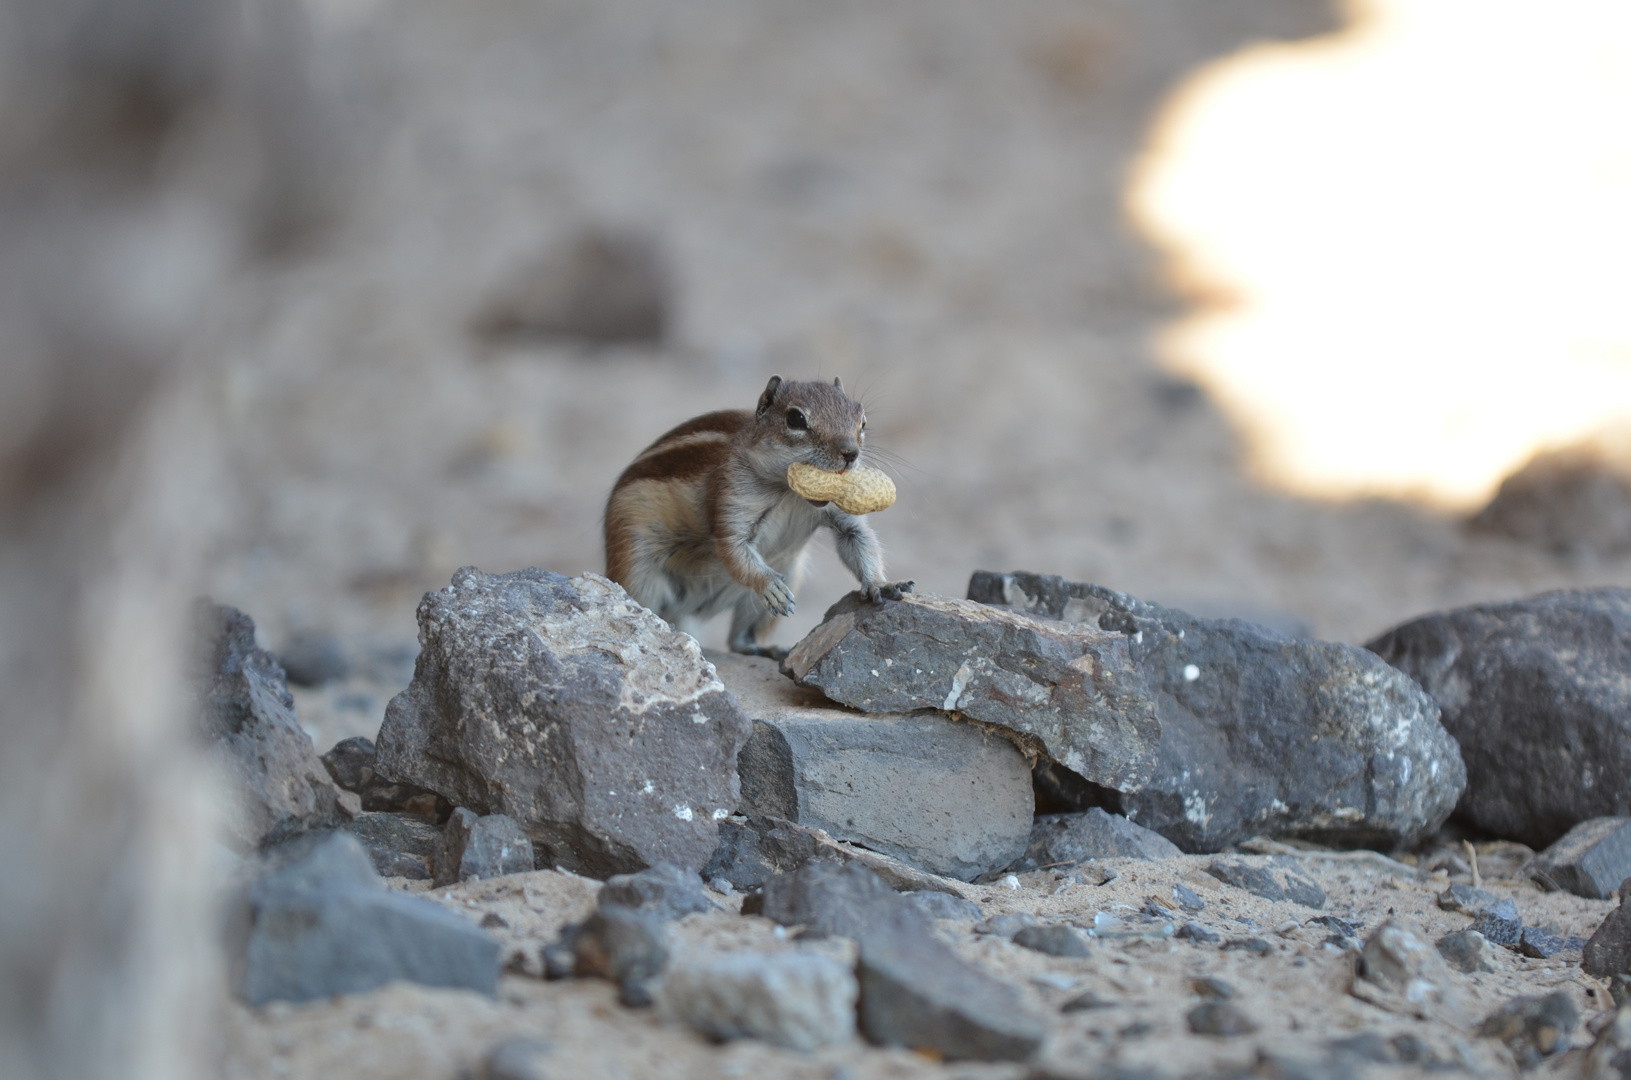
pixel 313 659
pixel 481 847
pixel 1187 898
pixel 567 706
pixel 1269 880
pixel 914 990
pixel 350 762
pixel 1220 1018
pixel 1467 951
pixel 1543 944
pixel 1500 923
pixel 951 798
pixel 278 785
pixel 1573 501
pixel 798 1000
pixel 939 905
pixel 667 891
pixel 602 287
pixel 518 1059
pixel 400 845
pixel 753 849
pixel 1060 839
pixel 1239 709
pixel 1400 972
pixel 1533 1028
pixel 1608 952
pixel 1590 860
pixel 1465 899
pixel 1610 1055
pixel 326 925
pixel 1535 690
pixel 1072 692
pixel 1006 925
pixel 1054 939
pixel 627 946
pixel 1212 988
pixel 1199 934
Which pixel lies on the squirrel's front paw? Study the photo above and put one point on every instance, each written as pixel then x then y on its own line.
pixel 778 597
pixel 888 590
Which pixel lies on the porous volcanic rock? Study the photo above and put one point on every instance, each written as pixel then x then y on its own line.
pixel 1261 734
pixel 1536 691
pixel 567 706
pixel 952 798
pixel 277 784
pixel 1071 692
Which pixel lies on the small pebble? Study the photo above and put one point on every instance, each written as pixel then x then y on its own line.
pixel 1011 882
pixel 1219 1018
pixel 1199 934
pixel 1256 946
pixel 1187 898
pixel 720 885
pixel 1211 988
pixel 1056 939
pixel 1087 1002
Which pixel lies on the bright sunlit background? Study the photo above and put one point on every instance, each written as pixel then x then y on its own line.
pixel 1410 241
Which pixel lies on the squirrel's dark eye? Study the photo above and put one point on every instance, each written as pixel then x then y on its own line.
pixel 797 420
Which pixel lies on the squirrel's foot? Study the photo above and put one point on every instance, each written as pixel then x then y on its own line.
pixel 772 652
pixel 888 590
pixel 778 597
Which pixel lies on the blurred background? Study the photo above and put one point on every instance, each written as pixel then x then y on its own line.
pixel 1242 306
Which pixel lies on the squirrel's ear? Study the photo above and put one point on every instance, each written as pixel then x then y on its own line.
pixel 838 382
pixel 768 398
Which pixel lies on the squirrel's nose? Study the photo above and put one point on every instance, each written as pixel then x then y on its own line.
pixel 849 456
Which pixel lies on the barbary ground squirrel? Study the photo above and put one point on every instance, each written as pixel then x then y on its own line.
pixel 704 520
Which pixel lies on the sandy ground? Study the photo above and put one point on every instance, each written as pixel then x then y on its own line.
pixel 922 197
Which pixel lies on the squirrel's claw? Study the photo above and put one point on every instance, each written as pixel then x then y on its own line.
pixel 778 597
pixel 888 590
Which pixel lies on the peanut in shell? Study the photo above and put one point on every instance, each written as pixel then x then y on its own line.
pixel 861 490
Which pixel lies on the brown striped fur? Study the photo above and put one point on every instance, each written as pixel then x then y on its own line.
pixel 703 519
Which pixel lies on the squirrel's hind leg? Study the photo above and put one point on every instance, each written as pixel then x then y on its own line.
pixel 752 622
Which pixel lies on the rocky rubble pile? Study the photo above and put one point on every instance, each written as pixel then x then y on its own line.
pixel 875 802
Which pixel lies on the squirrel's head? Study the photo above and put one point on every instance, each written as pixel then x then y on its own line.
pixel 812 422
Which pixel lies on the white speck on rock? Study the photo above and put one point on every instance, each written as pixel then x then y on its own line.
pixel 648 789
pixel 682 811
pixel 721 814
pixel 958 682
pixel 1191 673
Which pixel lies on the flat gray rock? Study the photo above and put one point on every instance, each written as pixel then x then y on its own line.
pixel 326 925
pixel 797 1000
pixel 1269 879
pixel 1261 734
pixel 481 847
pixel 562 703
pixel 952 798
pixel 1536 691
pixel 1590 860
pixel 1060 839
pixel 1071 692
pixel 666 891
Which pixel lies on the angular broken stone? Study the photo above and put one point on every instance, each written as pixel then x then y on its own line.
pixel 755 848
pixel 351 763
pixel 277 784
pixel 1467 951
pixel 326 925
pixel 798 1000
pixel 1269 880
pixel 1533 1027
pixel 914 990
pixel 1061 839
pixel 1535 690
pixel 1400 972
pixel 1608 952
pixel 1220 1018
pixel 667 891
pixel 481 847
pixel 1072 692
pixel 1261 734
pixel 939 905
pixel 400 845
pixel 1543 944
pixel 952 798
pixel 1466 899
pixel 567 706
pixel 1054 939
pixel 625 945
pixel 1590 860
pixel 1500 923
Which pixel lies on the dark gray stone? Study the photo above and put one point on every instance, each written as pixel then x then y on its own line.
pixel 1590 860
pixel 667 891
pixel 313 659
pixel 1608 952
pixel 350 762
pixel 1535 690
pixel 1500 923
pixel 278 785
pixel 1467 951
pixel 1398 971
pixel 1261 734
pixel 1543 944
pixel 1200 935
pixel 952 798
pixel 939 905
pixel 1055 939
pixel 755 848
pixel 1061 839
pixel 1187 898
pixel 1533 1028
pixel 481 847
pixel 1212 988
pixel 1268 880
pixel 326 925
pixel 1573 501
pixel 1220 1018
pixel 400 845
pixel 1465 899
pixel 625 945
pixel 601 287
pixel 1254 945
pixel 914 990
pixel 567 706
pixel 1072 692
